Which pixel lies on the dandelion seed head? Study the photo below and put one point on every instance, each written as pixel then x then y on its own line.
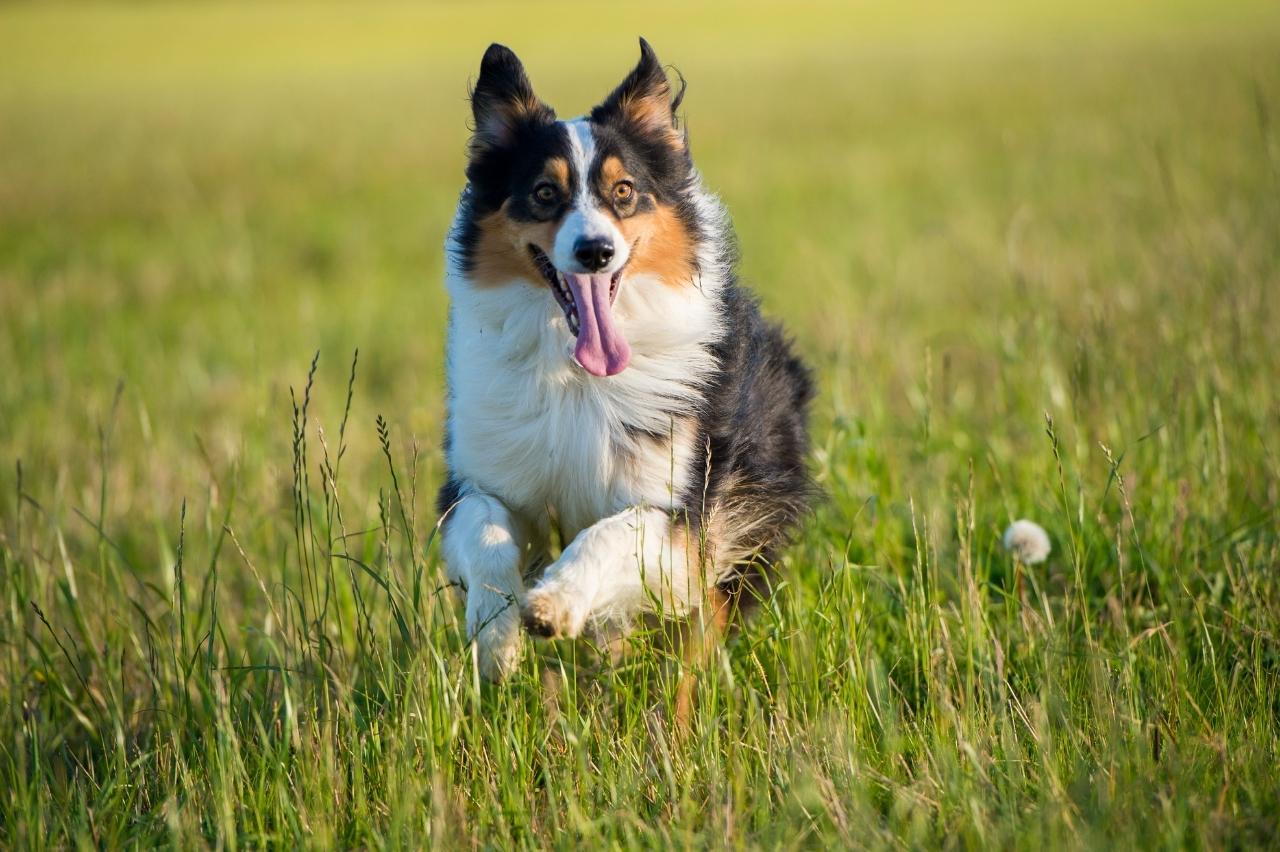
pixel 1027 541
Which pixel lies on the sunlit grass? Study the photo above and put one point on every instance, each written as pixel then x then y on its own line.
pixel 1032 252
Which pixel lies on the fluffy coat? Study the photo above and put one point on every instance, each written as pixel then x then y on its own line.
pixel 608 377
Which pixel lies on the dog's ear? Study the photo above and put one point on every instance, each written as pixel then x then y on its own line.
pixel 503 100
pixel 644 101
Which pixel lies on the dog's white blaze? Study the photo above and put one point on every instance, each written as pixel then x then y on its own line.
pixel 585 219
pixel 582 144
pixel 533 437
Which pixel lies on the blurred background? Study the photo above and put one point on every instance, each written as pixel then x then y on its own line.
pixel 1031 248
pixel 194 198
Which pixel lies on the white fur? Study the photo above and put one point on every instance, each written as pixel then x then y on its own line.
pixel 616 567
pixel 534 439
pixel 585 219
pixel 484 551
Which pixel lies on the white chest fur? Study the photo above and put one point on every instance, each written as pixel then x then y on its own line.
pixel 530 427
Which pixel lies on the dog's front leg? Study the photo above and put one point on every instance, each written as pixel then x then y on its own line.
pixel 483 546
pixel 615 568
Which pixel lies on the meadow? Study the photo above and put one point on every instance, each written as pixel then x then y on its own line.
pixel 1032 250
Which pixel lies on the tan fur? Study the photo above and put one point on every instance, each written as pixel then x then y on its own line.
pixel 703 635
pixel 651 112
pixel 662 245
pixel 502 252
pixel 736 528
pixel 611 171
pixel 500 123
pixel 557 171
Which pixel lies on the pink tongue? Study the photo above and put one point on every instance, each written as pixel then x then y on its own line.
pixel 601 348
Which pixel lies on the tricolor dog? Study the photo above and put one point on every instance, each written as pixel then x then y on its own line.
pixel 610 382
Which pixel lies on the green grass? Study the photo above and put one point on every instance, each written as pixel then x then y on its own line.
pixel 1033 253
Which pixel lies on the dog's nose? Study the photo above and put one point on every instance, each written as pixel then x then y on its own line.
pixel 594 254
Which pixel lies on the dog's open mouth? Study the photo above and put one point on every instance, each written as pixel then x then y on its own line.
pixel 587 302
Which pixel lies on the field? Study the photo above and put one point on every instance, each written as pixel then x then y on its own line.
pixel 1033 252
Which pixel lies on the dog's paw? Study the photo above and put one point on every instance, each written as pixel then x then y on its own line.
pixel 549 612
pixel 494 624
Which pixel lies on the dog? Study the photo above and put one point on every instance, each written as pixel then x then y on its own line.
pixel 609 379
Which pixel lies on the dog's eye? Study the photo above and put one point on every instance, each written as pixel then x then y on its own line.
pixel 624 191
pixel 545 193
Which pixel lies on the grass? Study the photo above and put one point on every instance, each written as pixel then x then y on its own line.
pixel 1032 252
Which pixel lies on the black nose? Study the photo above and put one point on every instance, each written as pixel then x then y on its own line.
pixel 593 254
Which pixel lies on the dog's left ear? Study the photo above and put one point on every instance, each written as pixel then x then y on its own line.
pixel 644 100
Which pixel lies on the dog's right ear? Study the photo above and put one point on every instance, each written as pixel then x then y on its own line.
pixel 503 100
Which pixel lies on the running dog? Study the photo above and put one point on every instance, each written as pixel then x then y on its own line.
pixel 609 379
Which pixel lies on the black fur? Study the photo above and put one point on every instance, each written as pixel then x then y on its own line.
pixel 662 169
pixel 497 174
pixel 450 493
pixel 752 441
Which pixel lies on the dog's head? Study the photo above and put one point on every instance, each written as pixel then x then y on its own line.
pixel 580 208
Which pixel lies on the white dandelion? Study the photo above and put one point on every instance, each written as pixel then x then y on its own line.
pixel 1027 541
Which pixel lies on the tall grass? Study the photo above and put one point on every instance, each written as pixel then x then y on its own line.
pixel 1037 278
